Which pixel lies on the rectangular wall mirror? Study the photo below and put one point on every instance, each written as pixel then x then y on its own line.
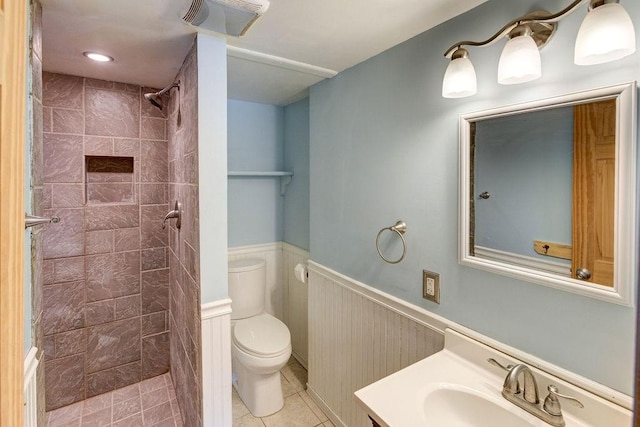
pixel 548 192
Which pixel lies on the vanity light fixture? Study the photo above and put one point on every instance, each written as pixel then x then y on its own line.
pixel 606 34
pixel 98 57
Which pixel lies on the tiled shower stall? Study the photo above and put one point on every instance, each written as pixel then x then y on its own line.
pixel 106 275
pixel 120 294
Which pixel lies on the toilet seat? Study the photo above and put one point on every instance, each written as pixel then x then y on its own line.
pixel 262 336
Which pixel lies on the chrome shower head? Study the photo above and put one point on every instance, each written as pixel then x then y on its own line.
pixel 156 97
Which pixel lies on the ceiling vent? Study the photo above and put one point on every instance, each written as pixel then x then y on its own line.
pixel 233 17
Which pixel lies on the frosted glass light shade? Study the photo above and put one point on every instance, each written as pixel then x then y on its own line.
pixel 606 35
pixel 519 62
pixel 459 79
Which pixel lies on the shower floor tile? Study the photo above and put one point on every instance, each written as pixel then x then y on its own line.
pixel 149 403
pixel 299 409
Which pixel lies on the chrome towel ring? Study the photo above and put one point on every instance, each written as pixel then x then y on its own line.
pixel 399 228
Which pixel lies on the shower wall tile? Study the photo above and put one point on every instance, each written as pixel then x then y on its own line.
pixel 153 194
pixel 114 378
pixel 100 84
pixel 153 259
pixel 126 239
pixel 46 119
pixel 62 91
pixel 70 343
pixel 67 121
pixel 154 323
pixel 92 318
pixel 65 381
pixel 100 312
pixel 155 291
pixel 49 347
pixel 152 128
pixel 66 238
pixel 62 158
pixel 154 161
pixel 46 197
pixel 110 217
pixel 110 113
pixel 67 195
pixel 189 260
pixel 98 146
pixel 155 355
pixel 112 275
pixel 152 233
pixel 112 344
pixel 184 287
pixel 110 193
pixel 98 242
pixel 63 307
pixel 126 147
pixel 128 307
pixel 126 87
pixel 190 167
pixel 63 270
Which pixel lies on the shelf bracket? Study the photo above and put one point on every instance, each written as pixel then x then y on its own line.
pixel 284 183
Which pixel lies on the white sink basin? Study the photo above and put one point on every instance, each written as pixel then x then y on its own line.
pixel 457 387
pixel 454 405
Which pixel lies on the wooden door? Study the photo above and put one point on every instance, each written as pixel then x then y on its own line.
pixel 594 168
pixel 13 70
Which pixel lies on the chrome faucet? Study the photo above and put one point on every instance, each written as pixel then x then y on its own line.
pixel 526 397
pixel 175 213
pixel 530 386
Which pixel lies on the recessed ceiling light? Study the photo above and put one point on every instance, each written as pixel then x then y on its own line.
pixel 97 57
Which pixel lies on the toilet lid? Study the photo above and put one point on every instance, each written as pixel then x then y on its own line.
pixel 262 335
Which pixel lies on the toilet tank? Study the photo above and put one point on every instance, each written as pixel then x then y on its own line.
pixel 247 283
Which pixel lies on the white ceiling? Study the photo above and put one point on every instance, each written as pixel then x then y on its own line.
pixel 295 44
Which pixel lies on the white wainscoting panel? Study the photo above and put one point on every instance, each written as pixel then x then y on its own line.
pixel 295 306
pixel 31 389
pixel 216 363
pixel 358 335
pixel 272 254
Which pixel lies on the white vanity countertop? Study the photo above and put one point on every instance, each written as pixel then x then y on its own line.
pixel 402 399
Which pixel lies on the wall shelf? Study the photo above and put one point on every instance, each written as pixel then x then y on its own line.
pixel 285 177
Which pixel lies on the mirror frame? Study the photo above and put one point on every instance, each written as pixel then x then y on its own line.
pixel 625 238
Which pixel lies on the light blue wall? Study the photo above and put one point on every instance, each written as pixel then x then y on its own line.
pixel 212 166
pixel 256 143
pixel 268 138
pixel 296 159
pixel 384 146
pixel 525 163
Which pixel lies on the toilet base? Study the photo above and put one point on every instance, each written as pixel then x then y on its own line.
pixel 261 393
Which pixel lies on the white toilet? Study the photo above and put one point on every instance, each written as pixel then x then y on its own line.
pixel 261 344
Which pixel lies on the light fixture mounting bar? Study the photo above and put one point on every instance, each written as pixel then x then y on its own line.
pixel 533 19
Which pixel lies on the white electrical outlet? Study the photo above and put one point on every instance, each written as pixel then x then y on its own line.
pixel 431 286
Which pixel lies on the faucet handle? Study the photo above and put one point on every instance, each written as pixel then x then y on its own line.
pixel 551 403
pixel 499 365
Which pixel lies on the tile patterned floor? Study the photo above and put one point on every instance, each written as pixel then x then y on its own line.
pixel 152 403
pixel 149 403
pixel 298 411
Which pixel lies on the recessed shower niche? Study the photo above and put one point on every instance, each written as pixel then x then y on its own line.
pixel 109 179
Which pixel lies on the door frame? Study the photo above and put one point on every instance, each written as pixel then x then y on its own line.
pixel 13 94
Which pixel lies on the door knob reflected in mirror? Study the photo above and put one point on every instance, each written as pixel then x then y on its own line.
pixel 583 274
